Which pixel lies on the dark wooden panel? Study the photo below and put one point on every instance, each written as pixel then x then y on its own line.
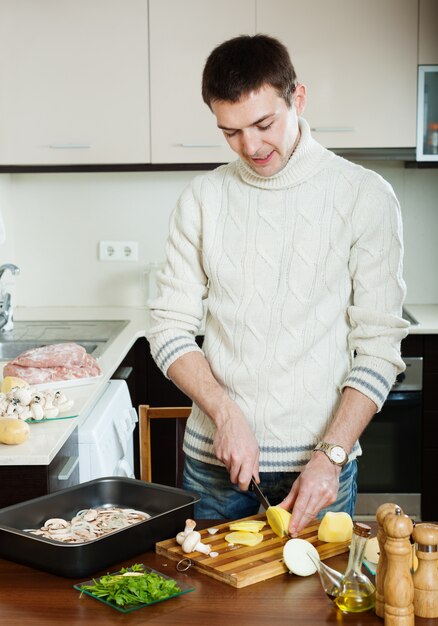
pixel 430 428
pixel 412 345
pixel 431 354
pixel 429 500
pixel 430 391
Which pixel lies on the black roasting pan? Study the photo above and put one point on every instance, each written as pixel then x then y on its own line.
pixel 168 506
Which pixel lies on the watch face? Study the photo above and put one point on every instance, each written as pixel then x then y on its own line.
pixel 338 454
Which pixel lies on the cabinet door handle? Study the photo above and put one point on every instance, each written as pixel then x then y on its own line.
pixel 68 468
pixel 200 145
pixel 332 129
pixel 69 146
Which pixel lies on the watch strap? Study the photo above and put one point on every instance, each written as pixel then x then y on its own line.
pixel 324 446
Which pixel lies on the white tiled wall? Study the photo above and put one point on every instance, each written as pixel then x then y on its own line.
pixel 55 221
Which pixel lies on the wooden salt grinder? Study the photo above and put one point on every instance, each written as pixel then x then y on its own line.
pixel 381 513
pixel 426 576
pixel 398 586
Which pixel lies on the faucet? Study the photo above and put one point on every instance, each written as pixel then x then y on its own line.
pixel 6 309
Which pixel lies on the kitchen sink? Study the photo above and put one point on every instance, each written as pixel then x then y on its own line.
pixel 94 335
pixel 11 349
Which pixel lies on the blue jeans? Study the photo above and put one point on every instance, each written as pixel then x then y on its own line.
pixel 220 499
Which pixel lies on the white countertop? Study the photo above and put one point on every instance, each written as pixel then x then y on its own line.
pixel 426 315
pixel 47 438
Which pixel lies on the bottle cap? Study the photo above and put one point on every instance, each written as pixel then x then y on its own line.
pixel 361 529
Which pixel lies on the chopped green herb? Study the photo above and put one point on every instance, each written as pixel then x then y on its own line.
pixel 132 586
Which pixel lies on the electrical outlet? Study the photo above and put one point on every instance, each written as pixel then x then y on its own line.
pixel 118 250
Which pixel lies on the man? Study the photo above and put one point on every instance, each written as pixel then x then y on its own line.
pixel 299 253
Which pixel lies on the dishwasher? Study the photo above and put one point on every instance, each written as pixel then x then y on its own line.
pixel 105 437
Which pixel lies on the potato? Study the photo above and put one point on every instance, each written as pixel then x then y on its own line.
pixel 335 527
pixel 13 430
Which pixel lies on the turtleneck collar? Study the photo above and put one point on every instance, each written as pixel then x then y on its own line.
pixel 304 161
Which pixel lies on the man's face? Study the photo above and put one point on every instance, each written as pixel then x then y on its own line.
pixel 261 128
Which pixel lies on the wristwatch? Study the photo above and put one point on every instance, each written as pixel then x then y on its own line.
pixel 335 452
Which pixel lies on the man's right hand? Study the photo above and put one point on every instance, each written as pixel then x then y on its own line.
pixel 236 446
pixel 234 443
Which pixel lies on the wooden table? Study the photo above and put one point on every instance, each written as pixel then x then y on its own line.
pixel 29 597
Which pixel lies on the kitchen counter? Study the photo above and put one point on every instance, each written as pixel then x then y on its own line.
pixel 47 438
pixel 33 598
pixel 427 317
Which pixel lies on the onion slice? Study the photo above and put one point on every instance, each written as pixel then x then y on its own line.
pixel 295 556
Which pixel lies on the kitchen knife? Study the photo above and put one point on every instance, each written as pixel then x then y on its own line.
pixel 259 493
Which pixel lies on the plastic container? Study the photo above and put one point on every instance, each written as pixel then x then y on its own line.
pixel 168 506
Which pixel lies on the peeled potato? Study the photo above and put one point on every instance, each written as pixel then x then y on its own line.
pixel 335 527
pixel 278 519
pixel 244 538
pixel 295 556
pixel 13 430
pixel 9 382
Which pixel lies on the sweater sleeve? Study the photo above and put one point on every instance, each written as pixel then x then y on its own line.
pixel 177 312
pixel 377 327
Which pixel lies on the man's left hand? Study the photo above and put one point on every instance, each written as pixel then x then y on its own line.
pixel 315 488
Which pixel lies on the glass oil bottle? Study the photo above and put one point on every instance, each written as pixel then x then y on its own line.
pixel 357 593
pixel 331 579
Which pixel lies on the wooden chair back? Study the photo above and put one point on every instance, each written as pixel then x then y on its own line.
pixel 146 414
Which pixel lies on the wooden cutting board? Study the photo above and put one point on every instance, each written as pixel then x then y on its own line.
pixel 240 566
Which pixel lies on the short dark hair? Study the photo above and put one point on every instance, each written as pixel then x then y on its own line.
pixel 244 64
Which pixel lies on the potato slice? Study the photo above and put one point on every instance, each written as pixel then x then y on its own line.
pixel 295 556
pixel 249 526
pixel 244 538
pixel 372 550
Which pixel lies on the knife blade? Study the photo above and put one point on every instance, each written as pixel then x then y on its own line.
pixel 259 493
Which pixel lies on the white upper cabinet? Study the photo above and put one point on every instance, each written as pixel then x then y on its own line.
pixel 182 35
pixel 358 59
pixel 74 82
pixel 428 28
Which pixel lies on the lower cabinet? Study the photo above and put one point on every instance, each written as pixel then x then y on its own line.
pixel 429 500
pixel 23 482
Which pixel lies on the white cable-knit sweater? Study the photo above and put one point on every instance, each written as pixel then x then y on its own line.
pixel 301 270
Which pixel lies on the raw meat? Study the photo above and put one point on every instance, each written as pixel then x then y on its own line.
pixel 60 361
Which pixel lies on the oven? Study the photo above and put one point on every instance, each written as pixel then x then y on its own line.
pixel 389 469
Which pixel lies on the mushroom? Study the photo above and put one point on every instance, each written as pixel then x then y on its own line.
pixel 189 527
pixel 22 394
pixel 37 411
pixel 192 543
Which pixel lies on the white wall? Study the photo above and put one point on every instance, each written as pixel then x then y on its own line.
pixel 55 221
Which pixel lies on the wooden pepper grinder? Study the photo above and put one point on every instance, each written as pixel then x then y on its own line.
pixel 426 576
pixel 381 513
pixel 398 586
